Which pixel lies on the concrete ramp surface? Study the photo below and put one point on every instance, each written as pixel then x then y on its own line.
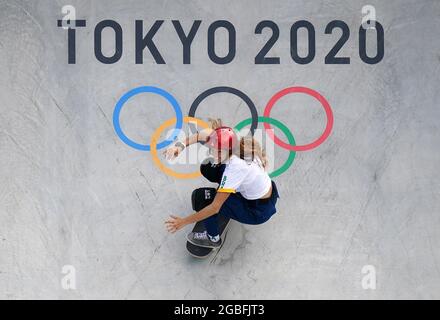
pixel 82 211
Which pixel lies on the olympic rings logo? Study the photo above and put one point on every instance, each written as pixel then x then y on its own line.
pixel 191 119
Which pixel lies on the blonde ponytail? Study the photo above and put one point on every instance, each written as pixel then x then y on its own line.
pixel 250 149
pixel 215 123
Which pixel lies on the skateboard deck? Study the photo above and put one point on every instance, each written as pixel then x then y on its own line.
pixel 203 252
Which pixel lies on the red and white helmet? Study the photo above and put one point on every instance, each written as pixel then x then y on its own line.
pixel 223 138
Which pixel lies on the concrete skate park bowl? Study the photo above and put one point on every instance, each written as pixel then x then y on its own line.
pixel 82 212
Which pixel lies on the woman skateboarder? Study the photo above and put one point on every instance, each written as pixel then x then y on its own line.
pixel 245 193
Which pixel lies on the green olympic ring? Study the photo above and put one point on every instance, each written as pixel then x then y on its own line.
pixel 286 132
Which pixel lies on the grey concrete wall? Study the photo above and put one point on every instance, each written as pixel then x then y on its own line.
pixel 72 193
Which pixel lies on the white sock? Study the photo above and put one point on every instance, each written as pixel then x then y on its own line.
pixel 214 239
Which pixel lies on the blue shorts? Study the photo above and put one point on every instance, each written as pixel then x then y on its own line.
pixel 236 206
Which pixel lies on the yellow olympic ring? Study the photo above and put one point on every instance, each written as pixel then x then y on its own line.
pixel 155 138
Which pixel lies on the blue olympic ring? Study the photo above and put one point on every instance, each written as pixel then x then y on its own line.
pixel 136 91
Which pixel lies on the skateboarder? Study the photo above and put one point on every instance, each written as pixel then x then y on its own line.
pixel 245 193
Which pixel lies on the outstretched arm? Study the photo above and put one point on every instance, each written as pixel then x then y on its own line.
pixel 178 147
pixel 176 223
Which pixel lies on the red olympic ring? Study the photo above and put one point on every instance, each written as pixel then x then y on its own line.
pixel 309 92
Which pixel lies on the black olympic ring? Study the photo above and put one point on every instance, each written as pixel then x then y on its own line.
pixel 234 91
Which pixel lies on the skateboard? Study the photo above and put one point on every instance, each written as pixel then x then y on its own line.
pixel 201 198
